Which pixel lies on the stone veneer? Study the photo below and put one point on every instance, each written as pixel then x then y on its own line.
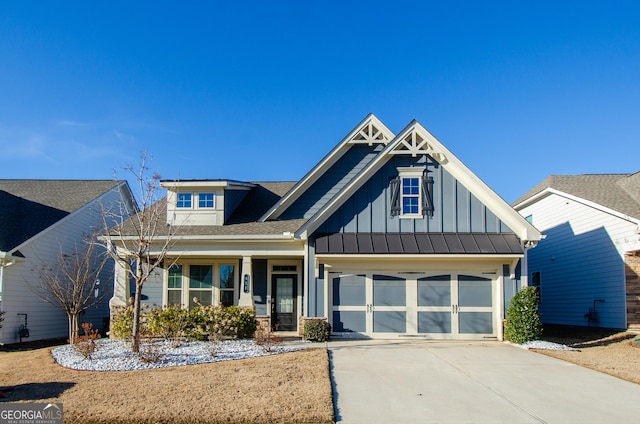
pixel 632 278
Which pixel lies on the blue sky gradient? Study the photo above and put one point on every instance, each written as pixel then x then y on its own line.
pixel 263 90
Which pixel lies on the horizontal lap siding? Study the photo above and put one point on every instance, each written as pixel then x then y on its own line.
pixel 46 321
pixel 456 209
pixel 579 262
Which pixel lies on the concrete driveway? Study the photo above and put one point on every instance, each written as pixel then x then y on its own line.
pixel 470 382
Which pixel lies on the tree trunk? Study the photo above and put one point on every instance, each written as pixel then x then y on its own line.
pixel 72 335
pixel 135 347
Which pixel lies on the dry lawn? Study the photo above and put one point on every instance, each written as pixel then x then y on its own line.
pixel 291 387
pixel 607 351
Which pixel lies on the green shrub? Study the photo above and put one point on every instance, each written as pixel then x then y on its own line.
pixel 200 323
pixel 169 323
pixel 523 320
pixel 317 330
pixel 220 321
pixel 121 322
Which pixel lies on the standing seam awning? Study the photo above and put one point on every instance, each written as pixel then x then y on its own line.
pixel 419 243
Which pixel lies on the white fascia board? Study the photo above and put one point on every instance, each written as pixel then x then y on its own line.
pixel 236 185
pixel 95 201
pixel 322 166
pixel 549 191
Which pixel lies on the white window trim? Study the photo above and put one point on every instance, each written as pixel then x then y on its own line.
pixel 411 172
pixel 186 272
pixel 197 195
pixel 178 201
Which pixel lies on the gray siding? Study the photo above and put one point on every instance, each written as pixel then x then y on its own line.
pixel 456 209
pixel 331 182
pixel 232 199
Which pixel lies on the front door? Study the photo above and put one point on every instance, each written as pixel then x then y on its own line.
pixel 283 302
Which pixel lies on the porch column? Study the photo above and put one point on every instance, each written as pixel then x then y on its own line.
pixel 246 283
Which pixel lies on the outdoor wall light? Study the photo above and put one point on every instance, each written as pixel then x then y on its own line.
pixel 97 288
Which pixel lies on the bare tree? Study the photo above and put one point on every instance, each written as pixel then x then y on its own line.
pixel 139 242
pixel 72 283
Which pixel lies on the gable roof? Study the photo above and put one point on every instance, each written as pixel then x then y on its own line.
pixel 415 140
pixel 369 131
pixel 619 192
pixel 27 207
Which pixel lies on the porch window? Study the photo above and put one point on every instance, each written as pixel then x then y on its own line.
pixel 227 278
pixel 174 286
pixel 184 200
pixel 200 284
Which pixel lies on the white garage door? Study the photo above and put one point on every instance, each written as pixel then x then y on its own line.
pixel 435 305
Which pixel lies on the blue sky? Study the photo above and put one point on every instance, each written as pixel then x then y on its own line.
pixel 263 90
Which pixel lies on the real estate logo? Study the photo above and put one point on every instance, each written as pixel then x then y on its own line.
pixel 30 413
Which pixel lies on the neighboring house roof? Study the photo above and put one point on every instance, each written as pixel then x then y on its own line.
pixel 619 192
pixel 27 207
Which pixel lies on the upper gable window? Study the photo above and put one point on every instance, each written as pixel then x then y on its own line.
pixel 410 196
pixel 206 200
pixel 184 200
pixel 411 193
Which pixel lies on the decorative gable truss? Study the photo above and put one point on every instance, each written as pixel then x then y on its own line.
pixel 370 134
pixel 417 142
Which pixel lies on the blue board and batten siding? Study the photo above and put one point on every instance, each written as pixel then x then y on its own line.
pixel 456 210
pixel 331 182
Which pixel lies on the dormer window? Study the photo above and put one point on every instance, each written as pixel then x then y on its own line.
pixel 206 200
pixel 184 200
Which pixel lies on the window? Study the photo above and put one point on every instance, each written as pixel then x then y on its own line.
pixel 411 193
pixel 211 284
pixel 410 196
pixel 200 284
pixel 174 286
pixel 206 200
pixel 227 279
pixel 184 200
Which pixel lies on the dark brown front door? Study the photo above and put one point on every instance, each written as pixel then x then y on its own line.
pixel 283 306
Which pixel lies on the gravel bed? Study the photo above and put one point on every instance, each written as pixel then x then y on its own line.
pixel 541 344
pixel 116 355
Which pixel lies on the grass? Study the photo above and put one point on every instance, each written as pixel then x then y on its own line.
pixel 605 350
pixel 292 387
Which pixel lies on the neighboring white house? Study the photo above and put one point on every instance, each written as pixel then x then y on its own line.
pixel 38 220
pixel 587 266
pixel 387 236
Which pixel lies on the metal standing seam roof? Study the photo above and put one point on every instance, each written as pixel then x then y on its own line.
pixel 419 243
